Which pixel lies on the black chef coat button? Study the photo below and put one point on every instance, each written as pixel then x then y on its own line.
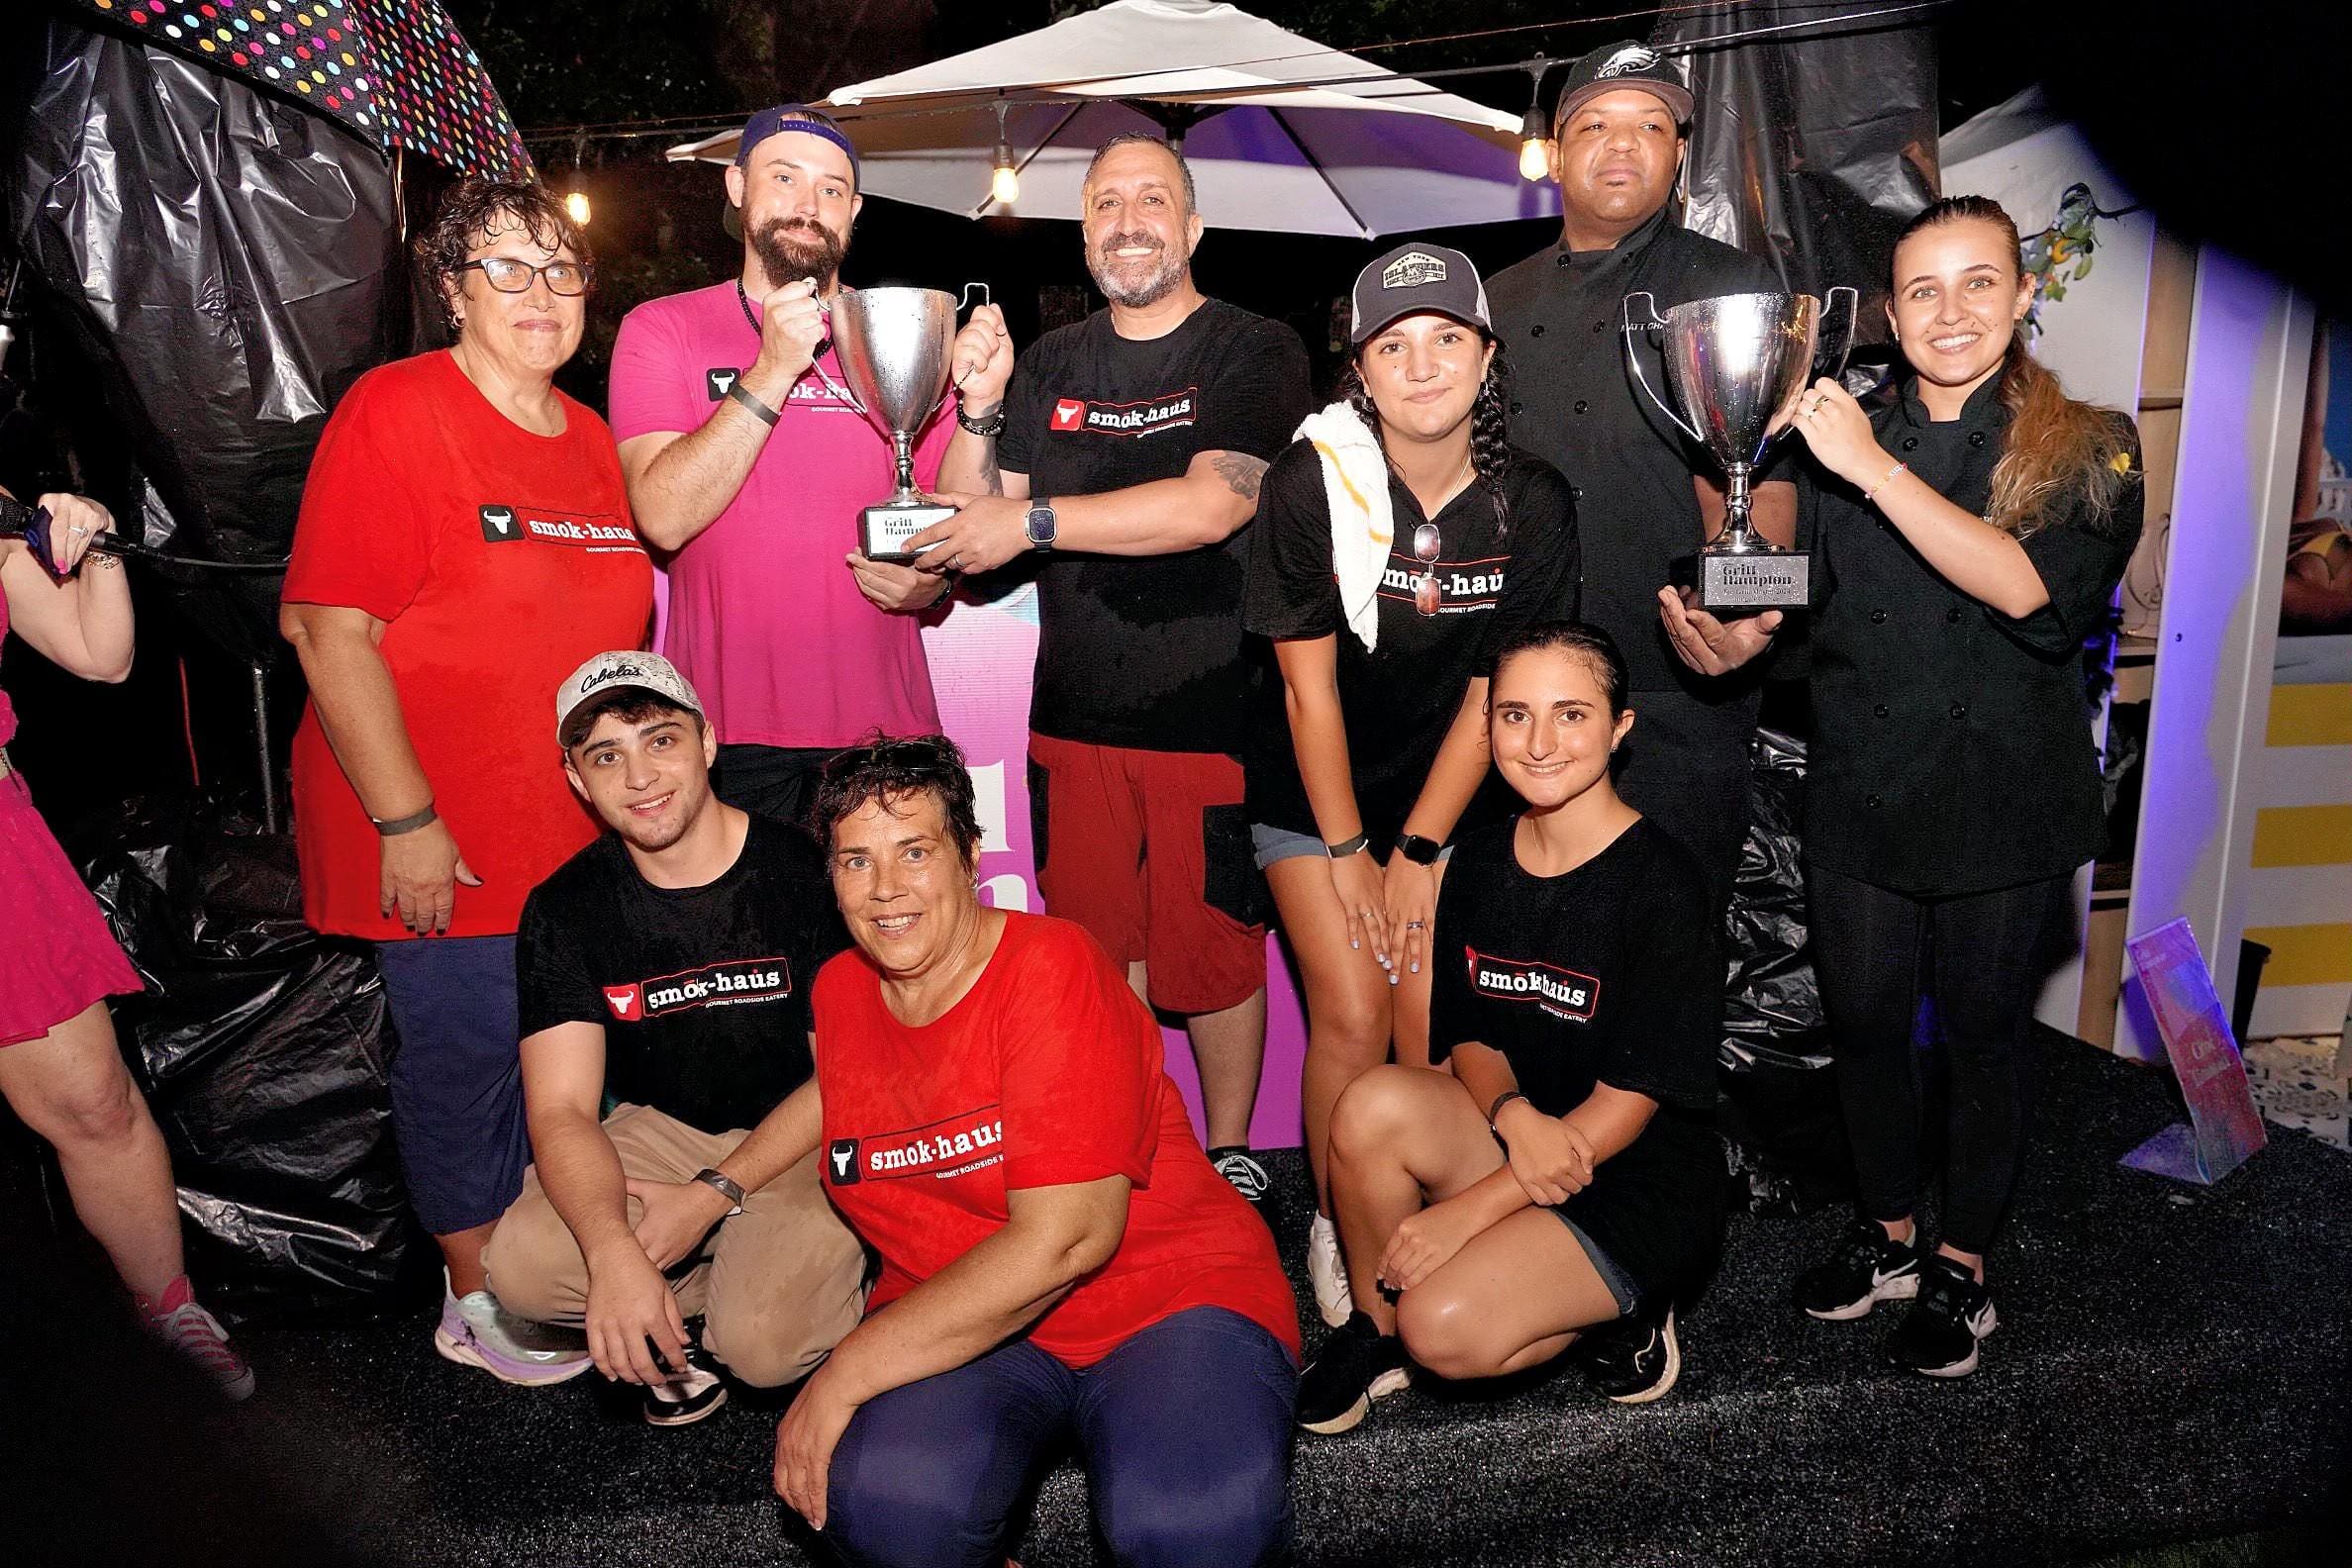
pixel 1599 326
pixel 1952 614
pixel 1873 802
pixel 1959 709
pixel 1877 618
pixel 1576 492
pixel 1910 444
pixel 1976 438
pixel 1880 712
pixel 1582 406
pixel 1516 406
pixel 1535 331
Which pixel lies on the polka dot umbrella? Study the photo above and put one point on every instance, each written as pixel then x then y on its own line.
pixel 396 72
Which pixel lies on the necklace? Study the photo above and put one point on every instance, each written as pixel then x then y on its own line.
pixel 750 316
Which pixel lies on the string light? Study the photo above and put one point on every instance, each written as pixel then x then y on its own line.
pixel 1003 186
pixel 575 201
pixel 1534 164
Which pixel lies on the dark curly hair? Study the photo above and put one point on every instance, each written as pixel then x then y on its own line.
pixel 476 208
pixel 887 767
pixel 1490 425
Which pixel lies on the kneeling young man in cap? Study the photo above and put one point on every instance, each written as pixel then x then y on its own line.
pixel 667 968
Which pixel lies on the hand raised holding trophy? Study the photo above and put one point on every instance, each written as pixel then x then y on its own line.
pixel 1737 364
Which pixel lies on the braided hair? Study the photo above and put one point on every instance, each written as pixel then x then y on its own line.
pixel 1490 441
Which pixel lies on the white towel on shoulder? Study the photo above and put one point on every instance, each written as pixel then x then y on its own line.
pixel 1363 524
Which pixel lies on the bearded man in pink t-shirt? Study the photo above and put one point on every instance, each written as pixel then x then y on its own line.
pixel 745 459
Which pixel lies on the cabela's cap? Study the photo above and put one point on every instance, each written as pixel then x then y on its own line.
pixel 1413 278
pixel 623 671
pixel 1627 65
pixel 795 117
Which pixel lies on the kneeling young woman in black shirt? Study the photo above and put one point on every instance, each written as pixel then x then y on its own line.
pixel 1565 1173
pixel 1397 540
pixel 1969 529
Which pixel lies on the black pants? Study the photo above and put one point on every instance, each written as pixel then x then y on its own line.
pixel 1983 957
pixel 1685 766
pixel 770 781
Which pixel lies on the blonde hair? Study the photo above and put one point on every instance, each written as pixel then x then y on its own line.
pixel 2061 452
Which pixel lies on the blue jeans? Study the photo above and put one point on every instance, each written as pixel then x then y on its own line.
pixel 1184 1431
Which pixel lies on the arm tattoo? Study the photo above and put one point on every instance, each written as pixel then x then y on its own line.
pixel 1240 472
pixel 992 479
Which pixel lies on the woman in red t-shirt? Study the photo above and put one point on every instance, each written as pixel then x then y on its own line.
pixel 1058 1257
pixel 464 544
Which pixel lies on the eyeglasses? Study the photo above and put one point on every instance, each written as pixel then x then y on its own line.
pixel 509 276
pixel 1424 551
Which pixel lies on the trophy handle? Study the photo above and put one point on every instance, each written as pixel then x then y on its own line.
pixel 1845 313
pixel 966 298
pixel 1651 320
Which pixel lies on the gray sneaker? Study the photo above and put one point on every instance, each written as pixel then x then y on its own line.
pixel 476 1331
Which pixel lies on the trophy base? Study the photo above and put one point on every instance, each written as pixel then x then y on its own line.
pixel 1755 580
pixel 883 531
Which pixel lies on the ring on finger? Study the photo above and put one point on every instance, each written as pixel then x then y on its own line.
pixel 1414 925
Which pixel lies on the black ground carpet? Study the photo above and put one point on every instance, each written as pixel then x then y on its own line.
pixel 2174 1364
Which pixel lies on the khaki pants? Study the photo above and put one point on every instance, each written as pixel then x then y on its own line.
pixel 777 1285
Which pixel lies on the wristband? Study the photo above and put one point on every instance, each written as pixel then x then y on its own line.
pixel 725 1186
pixel 737 392
pixel 1884 480
pixel 409 824
pixel 1496 1109
pixel 991 426
pixel 1341 850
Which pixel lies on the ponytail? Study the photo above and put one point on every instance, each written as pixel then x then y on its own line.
pixel 2063 457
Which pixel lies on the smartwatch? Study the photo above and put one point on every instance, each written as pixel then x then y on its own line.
pixel 1418 850
pixel 726 1186
pixel 1040 524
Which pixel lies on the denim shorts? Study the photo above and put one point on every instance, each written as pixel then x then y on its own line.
pixel 457 1077
pixel 1272 843
pixel 1622 1288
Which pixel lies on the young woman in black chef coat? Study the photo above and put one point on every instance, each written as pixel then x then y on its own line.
pixel 1370 751
pixel 1970 526
pixel 1564 1172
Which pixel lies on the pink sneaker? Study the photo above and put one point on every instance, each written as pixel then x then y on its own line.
pixel 476 1331
pixel 198 1335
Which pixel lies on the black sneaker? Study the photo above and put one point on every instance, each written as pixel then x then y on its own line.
pixel 689 1396
pixel 1868 1267
pixel 1240 1168
pixel 1938 1336
pixel 1633 1360
pixel 1356 1365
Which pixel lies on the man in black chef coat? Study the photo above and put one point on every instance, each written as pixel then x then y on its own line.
pixel 1644 495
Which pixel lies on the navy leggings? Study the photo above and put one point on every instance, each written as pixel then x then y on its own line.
pixel 1983 957
pixel 1184 1431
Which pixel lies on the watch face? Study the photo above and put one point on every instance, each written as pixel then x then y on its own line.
pixel 1040 526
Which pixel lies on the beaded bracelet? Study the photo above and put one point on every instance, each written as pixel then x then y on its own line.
pixel 1871 494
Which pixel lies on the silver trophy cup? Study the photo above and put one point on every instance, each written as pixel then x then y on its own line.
pixel 895 345
pixel 1737 364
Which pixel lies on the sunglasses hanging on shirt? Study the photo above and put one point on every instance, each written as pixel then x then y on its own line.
pixel 1424 587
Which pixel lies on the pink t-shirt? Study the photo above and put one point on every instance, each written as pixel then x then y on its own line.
pixel 764 619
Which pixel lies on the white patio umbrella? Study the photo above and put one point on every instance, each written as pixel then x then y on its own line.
pixel 1370 155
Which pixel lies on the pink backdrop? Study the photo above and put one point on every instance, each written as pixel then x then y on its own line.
pixel 981 656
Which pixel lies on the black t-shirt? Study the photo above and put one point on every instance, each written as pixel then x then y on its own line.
pixel 703 992
pixel 1560 314
pixel 1146 650
pixel 1400 699
pixel 1609 973
pixel 1952 744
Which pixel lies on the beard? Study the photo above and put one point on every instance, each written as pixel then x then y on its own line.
pixel 654 836
pixel 1153 287
pixel 792 249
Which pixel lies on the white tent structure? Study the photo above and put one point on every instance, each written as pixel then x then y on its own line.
pixel 1282 132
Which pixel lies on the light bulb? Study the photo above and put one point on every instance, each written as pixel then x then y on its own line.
pixel 1005 185
pixel 1532 164
pixel 576 204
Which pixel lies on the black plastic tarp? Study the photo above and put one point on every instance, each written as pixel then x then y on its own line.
pixel 228 261
pixel 1811 148
pixel 262 1048
pixel 1780 1114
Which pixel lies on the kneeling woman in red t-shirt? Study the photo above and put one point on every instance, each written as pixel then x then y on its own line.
pixel 1059 1257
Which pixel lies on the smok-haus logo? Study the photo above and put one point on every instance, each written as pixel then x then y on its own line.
pixel 1563 992
pixel 713 985
pixel 1150 416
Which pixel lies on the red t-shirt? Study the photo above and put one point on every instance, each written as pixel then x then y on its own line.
pixel 498 561
pixel 1046 1072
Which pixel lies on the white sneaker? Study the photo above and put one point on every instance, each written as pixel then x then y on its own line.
pixel 474 1331
pixel 1326 1270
